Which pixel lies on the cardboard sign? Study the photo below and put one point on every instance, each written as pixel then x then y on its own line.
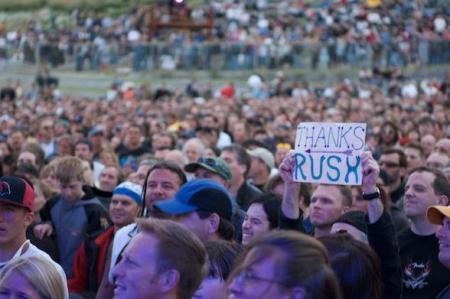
pixel 329 153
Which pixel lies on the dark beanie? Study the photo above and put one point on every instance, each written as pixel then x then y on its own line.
pixel 356 219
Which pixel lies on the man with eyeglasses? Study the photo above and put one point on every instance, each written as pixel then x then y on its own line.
pixel 393 162
pixel 423 275
pixel 284 264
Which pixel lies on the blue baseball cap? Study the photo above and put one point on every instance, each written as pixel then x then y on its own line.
pixel 199 195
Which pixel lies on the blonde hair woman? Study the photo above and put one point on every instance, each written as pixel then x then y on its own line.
pixel 35 277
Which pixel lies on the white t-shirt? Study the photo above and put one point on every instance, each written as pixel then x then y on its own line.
pixel 29 250
pixel 121 239
pixel 49 148
pixel 223 140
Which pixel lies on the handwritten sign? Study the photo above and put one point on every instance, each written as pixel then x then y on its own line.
pixel 329 153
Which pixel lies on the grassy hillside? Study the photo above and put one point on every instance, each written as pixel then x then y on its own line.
pixel 68 5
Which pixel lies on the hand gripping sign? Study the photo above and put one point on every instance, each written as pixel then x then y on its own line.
pixel 329 153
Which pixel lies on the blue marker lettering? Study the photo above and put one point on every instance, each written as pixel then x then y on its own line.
pixel 333 167
pixel 316 177
pixel 332 136
pixel 309 137
pixel 300 135
pixel 321 135
pixel 357 136
pixel 298 166
pixel 353 169
pixel 344 137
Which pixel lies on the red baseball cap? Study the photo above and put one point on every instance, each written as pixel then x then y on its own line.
pixel 16 191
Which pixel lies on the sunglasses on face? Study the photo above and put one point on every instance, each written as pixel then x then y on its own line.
pixel 206 130
pixel 389 164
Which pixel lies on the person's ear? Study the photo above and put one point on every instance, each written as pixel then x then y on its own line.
pixel 213 223
pixel 28 218
pixel 168 280
pixel 298 293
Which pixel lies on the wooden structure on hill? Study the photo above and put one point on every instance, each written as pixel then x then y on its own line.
pixel 177 16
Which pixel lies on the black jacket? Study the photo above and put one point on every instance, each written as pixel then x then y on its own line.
pixel 383 240
pixel 444 294
pixel 291 224
pixel 246 194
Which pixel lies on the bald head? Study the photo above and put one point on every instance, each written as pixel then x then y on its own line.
pixel 193 149
pixel 443 146
pixel 438 160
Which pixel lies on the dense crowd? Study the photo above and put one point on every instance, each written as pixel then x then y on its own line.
pixel 77 172
pixel 188 191
pixel 245 35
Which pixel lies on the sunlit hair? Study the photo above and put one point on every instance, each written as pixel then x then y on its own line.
pixel 112 155
pixel 179 249
pixel 301 262
pixel 69 169
pixel 120 173
pixel 41 273
pixel 48 170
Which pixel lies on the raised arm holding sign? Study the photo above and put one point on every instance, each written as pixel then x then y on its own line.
pixel 329 153
pixel 290 205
